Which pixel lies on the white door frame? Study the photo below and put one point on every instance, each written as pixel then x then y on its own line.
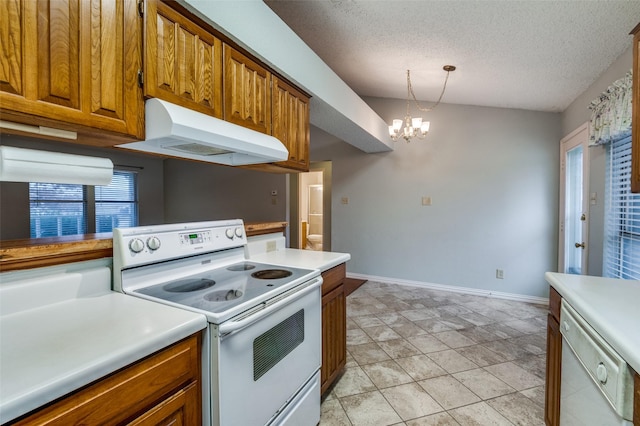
pixel 579 136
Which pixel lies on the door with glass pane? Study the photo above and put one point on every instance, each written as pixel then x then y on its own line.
pixel 574 177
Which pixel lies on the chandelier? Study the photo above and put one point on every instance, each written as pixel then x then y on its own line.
pixel 415 127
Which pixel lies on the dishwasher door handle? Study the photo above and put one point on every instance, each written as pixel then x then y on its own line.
pixel 233 326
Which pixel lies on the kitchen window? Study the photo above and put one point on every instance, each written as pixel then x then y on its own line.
pixel 64 209
pixel 622 215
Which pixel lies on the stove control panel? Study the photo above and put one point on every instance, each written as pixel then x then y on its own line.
pixel 151 244
pixel 200 237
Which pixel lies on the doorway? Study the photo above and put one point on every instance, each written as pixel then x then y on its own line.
pixel 574 189
pixel 311 208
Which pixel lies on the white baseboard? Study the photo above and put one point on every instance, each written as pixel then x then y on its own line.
pixel 455 289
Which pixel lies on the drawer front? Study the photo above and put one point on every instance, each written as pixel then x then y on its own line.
pixel 333 278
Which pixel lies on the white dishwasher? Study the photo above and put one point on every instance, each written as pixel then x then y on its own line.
pixel 596 387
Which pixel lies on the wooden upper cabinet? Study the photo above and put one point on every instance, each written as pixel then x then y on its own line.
pixel 635 118
pixel 290 123
pixel 247 91
pixel 70 63
pixel 183 62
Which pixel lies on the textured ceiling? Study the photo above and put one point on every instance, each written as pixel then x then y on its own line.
pixel 536 55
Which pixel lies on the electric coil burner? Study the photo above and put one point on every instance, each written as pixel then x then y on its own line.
pixel 271 274
pixel 264 320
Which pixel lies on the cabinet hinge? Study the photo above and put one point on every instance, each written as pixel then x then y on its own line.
pixel 140 78
pixel 141 8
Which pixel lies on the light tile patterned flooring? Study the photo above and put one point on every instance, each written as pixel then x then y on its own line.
pixel 419 357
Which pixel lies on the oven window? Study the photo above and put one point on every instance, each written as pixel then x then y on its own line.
pixel 272 346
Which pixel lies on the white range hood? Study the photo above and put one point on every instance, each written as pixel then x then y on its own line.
pixel 180 132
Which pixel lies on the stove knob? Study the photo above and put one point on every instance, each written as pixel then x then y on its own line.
pixel 136 245
pixel 153 243
pixel 239 232
pixel 229 233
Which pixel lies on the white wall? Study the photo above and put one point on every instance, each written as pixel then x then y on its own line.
pixel 492 175
pixel 576 114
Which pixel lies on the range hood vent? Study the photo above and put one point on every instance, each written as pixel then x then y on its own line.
pixel 176 131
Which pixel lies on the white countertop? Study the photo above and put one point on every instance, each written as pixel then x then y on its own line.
pixel 610 306
pixel 309 259
pixel 75 331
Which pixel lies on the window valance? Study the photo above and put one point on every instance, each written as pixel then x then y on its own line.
pixel 611 113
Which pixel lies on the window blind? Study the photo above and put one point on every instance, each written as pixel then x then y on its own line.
pixel 62 209
pixel 117 203
pixel 622 215
pixel 56 209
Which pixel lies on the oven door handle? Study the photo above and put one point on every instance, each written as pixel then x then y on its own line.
pixel 233 326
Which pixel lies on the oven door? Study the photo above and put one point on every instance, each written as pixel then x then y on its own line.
pixel 261 362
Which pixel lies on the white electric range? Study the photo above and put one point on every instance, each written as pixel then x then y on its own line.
pixel 261 354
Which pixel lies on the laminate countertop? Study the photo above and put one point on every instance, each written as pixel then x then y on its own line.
pixel 610 306
pixel 309 259
pixel 62 328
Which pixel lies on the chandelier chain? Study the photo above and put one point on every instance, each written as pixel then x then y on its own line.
pixel 410 92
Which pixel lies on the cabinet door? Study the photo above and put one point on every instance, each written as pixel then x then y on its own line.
pixel 73 62
pixel 183 62
pixel 247 92
pixel 179 409
pixel 554 361
pixel 334 326
pixel 290 123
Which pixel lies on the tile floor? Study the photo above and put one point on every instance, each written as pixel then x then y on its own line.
pixel 419 357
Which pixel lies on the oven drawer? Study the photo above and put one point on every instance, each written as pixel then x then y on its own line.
pixel 304 409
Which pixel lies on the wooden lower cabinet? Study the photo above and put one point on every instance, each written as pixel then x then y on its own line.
pixel 162 389
pixel 334 326
pixel 554 361
pixel 636 400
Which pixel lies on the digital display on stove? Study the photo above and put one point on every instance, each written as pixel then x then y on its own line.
pixel 196 238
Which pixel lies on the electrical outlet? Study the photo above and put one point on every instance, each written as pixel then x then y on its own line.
pixel 426 201
pixel 271 246
pixel 345 200
pixel 500 274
